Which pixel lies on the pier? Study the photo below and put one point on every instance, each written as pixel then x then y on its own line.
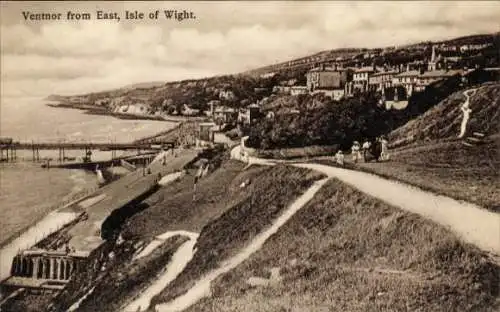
pixel 9 148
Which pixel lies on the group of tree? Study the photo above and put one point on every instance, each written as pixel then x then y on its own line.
pixel 333 123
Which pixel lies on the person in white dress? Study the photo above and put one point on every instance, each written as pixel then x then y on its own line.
pixel 366 146
pixel 384 155
pixel 355 151
pixel 339 158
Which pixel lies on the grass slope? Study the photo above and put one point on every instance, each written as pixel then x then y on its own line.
pixel 269 193
pixel 345 251
pixel 443 121
pixel 426 152
pixel 447 168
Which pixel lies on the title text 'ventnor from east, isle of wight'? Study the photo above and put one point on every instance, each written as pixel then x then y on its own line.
pixel 176 15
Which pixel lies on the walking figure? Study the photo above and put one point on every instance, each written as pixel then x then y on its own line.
pixel 355 151
pixel 384 154
pixel 197 177
pixel 339 158
pixel 366 148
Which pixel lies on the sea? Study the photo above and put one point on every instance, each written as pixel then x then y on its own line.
pixel 29 192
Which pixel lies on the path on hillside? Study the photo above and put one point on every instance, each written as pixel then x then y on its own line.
pixel 469 222
pixel 179 260
pixel 201 288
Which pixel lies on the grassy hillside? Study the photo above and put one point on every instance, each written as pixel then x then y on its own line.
pixel 427 153
pixel 345 251
pixel 448 168
pixel 269 193
pixel 443 121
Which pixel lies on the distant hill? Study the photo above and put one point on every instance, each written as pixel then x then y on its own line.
pixel 378 55
pixel 145 85
pixel 443 120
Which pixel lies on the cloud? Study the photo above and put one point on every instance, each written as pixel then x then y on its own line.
pixel 67 57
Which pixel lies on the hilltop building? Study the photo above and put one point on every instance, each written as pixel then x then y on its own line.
pixel 327 78
pixel 407 79
pixel 380 80
pixel 361 78
pixel 429 77
pixel 330 81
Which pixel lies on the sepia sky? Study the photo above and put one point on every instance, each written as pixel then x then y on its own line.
pixel 65 57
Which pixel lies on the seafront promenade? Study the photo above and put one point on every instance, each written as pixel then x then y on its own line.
pixel 85 237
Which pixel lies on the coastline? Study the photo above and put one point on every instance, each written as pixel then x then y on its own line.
pixel 101 111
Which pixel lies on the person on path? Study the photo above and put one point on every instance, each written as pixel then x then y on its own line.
pixel 366 147
pixel 355 151
pixel 384 154
pixel 197 177
pixel 339 158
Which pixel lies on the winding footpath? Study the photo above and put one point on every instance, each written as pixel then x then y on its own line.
pixel 201 288
pixel 470 222
pixel 180 259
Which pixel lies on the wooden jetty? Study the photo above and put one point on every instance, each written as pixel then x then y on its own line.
pixel 9 148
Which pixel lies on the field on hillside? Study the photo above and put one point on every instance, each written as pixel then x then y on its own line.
pixel 345 251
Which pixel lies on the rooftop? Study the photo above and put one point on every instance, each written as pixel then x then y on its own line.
pixel 410 73
pixel 327 69
pixel 366 69
pixel 224 109
pixel 390 72
pixel 440 73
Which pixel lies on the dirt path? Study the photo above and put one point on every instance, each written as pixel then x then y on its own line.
pixel 179 261
pixel 469 222
pixel 202 287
